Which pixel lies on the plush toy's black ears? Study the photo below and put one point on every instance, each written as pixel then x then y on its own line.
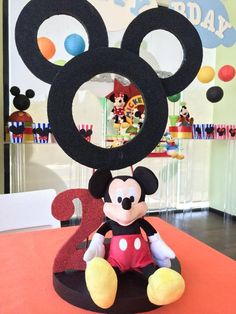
pixel 126 98
pixel 147 180
pixel 15 91
pixel 112 98
pixel 29 93
pixel 99 182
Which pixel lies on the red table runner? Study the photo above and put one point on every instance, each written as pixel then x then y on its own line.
pixel 26 261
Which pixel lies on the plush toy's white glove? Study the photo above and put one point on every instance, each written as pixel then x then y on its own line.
pixel 160 251
pixel 96 248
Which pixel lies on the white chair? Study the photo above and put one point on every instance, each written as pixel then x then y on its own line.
pixel 27 211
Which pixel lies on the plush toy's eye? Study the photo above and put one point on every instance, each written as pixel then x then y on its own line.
pixel 132 194
pixel 119 199
pixel 119 195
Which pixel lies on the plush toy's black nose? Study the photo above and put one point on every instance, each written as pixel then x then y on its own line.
pixel 126 203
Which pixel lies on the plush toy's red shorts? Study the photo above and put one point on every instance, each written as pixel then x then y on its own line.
pixel 129 252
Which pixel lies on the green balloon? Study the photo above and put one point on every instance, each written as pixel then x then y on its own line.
pixel 60 62
pixel 174 98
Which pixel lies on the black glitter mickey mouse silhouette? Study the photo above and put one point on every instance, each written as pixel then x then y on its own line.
pixel 100 58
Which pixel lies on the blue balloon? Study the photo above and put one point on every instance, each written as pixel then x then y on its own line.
pixel 74 44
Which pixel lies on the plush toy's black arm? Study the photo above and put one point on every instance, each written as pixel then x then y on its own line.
pixel 147 227
pixel 104 228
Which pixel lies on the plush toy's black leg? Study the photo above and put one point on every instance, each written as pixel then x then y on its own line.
pixel 117 270
pixel 149 270
pixel 116 119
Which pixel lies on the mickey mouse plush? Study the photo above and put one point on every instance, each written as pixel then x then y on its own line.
pixel 125 207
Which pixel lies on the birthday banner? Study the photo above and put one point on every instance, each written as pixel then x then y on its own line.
pixel 211 20
pixel 210 17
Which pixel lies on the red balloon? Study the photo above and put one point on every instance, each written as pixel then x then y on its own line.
pixel 226 73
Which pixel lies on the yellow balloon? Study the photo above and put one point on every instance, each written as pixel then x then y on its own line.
pixel 206 74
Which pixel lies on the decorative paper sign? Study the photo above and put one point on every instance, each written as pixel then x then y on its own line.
pixel 211 20
pixel 128 9
pixel 210 17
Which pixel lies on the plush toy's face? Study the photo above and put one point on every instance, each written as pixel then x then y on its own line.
pixel 119 102
pixel 168 137
pixel 184 112
pixel 125 206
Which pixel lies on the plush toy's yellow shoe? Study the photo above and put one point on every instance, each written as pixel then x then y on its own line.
pixel 101 281
pixel 117 126
pixel 180 156
pixel 165 286
pixel 125 125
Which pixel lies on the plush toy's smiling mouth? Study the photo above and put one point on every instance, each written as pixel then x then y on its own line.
pixel 126 221
pixel 120 222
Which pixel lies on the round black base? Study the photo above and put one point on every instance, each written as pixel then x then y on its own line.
pixel 131 295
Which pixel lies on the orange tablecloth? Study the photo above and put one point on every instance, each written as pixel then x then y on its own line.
pixel 26 274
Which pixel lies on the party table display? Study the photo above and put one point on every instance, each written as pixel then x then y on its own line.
pixel 20 127
pixel 131 271
pixel 184 128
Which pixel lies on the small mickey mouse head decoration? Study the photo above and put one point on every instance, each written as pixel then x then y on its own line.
pixel 199 132
pixel 232 132
pixel 22 103
pixel 43 133
pixel 17 131
pixel 86 133
pixel 221 131
pixel 209 132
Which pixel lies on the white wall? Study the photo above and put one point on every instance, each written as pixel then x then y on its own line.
pixel 1 110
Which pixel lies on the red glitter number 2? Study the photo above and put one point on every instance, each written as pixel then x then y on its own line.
pixel 70 256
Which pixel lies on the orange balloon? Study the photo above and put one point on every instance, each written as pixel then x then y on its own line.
pixel 47 47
